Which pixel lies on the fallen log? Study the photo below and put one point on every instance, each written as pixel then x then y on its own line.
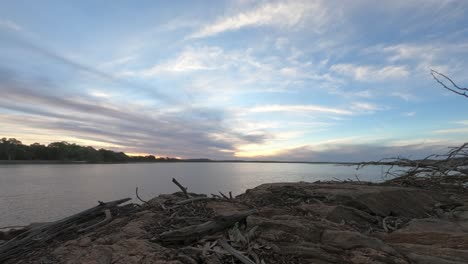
pixel 103 222
pixel 195 232
pixel 41 234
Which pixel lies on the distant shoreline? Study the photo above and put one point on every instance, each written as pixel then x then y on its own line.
pixel 16 162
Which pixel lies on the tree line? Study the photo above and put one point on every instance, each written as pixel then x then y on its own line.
pixel 13 149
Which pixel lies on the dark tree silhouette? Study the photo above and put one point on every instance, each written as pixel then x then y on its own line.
pixel 13 149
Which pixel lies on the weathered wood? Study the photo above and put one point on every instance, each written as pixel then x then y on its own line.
pixel 38 235
pixel 234 252
pixel 223 195
pixel 195 232
pixel 196 199
pixel 184 189
pixel 103 222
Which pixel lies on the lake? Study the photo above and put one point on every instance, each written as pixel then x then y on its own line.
pixel 46 192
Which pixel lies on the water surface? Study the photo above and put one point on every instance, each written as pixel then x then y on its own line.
pixel 46 192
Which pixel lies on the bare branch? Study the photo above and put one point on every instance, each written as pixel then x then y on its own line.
pixel 138 196
pixel 184 189
pixel 455 89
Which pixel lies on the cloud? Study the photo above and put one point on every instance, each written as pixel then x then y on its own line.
pixel 24 43
pixel 462 122
pixel 10 25
pixel 32 107
pixel 429 52
pixel 455 130
pixel 407 96
pixel 285 14
pixel 299 108
pixel 190 59
pixel 442 56
pixel 356 152
pixel 118 62
pixel 371 73
pixel 281 43
pixel 365 107
pixel 460 130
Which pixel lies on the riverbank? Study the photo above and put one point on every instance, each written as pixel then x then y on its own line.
pixel 6 162
pixel 321 222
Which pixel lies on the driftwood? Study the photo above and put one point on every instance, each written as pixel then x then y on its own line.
pixel 13 231
pixel 195 232
pixel 224 196
pixel 41 234
pixel 184 189
pixel 138 196
pixel 234 252
pixel 454 164
pixel 103 222
pixel 196 199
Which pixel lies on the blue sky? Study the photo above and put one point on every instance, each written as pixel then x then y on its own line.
pixel 286 80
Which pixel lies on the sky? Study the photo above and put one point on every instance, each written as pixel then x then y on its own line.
pixel 268 80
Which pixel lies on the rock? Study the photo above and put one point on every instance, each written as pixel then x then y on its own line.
pixel 84 242
pixel 97 255
pixel 428 238
pixel 372 199
pixel 428 254
pixel 348 214
pixel 285 228
pixel 352 240
pixel 460 213
pixel 433 225
pixel 134 229
pixel 302 223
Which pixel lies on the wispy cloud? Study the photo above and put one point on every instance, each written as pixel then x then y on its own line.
pixel 132 129
pixel 282 14
pixel 462 122
pixel 407 96
pixel 237 78
pixel 10 25
pixel 191 59
pixel 460 130
pixel 118 62
pixel 371 73
pixel 299 108
pixel 365 107
pixel 352 150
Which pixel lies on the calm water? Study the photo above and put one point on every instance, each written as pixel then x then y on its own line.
pixel 36 193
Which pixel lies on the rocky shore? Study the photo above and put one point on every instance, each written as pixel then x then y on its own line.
pixel 321 222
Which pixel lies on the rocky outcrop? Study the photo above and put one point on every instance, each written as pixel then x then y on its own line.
pixel 292 223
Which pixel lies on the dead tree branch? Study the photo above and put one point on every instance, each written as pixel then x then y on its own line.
pixel 138 196
pixel 455 89
pixel 223 243
pixel 184 189
pixel 195 232
pixel 37 236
